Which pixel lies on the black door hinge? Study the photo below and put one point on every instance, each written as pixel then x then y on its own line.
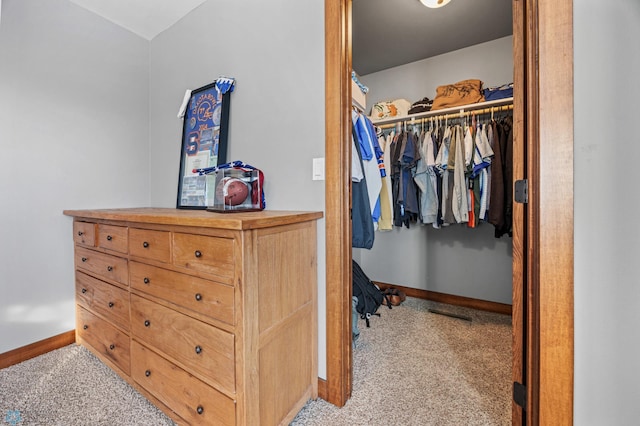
pixel 520 394
pixel 521 191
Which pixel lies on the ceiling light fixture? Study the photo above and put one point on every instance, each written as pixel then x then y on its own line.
pixel 434 3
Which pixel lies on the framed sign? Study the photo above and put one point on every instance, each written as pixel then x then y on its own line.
pixel 204 140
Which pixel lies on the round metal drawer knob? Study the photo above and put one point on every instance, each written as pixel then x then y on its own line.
pixel 85 327
pixel 146 280
pixel 80 233
pixel 198 349
pixel 145 244
pixel 84 259
pixel 109 268
pixel 111 304
pixel 147 373
pixel 198 253
pixel 200 410
pixel 147 323
pixel 109 238
pixel 84 290
pixel 198 297
pixel 112 346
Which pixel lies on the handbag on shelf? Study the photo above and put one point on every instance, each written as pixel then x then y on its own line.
pixel 500 92
pixel 461 93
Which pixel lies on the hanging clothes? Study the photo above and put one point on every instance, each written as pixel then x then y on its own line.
pixel 404 156
pixel 370 152
pixel 442 165
pixel 501 204
pixel 362 230
pixel 425 176
pixel 459 202
pixel 452 174
pixel 386 200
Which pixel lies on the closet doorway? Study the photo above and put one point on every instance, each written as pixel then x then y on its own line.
pixel 543 248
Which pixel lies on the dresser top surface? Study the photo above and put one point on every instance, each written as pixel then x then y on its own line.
pixel 199 218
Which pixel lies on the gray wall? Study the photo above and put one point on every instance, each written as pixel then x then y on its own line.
pixel 73 134
pixel 275 51
pixel 61 56
pixel 454 260
pixel 607 149
pixel 94 107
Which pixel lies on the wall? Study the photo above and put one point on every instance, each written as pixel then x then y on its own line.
pixel 73 134
pixel 40 65
pixel 454 260
pixel 275 51
pixel 607 294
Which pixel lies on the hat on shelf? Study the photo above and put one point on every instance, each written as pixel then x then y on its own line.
pixel 390 109
pixel 423 105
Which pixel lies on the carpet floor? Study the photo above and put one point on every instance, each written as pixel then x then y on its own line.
pixel 411 367
pixel 414 367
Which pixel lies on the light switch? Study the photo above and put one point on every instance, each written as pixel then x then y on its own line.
pixel 318 169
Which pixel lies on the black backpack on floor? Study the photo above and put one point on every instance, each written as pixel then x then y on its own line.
pixel 369 296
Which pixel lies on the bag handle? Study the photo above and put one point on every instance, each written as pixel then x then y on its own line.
pixel 233 164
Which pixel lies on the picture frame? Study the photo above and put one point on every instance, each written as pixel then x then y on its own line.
pixel 204 140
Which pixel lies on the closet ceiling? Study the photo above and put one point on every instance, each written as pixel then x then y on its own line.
pixel 388 33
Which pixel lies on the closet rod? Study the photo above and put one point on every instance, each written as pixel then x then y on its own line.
pixel 479 108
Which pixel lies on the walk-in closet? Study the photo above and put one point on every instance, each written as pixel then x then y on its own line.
pixel 403 52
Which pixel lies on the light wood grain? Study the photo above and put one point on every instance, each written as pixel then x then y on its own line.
pixel 197 318
pixel 180 336
pixel 179 390
pixel 338 198
pixel 285 260
pixel 555 88
pixel 84 233
pixel 111 268
pixel 531 375
pixel 108 341
pixel 285 356
pixel 519 271
pixel 114 238
pixel 198 218
pixel 105 300
pixel 192 293
pixel 150 244
pixel 211 255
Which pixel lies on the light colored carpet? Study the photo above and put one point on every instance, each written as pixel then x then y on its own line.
pixel 70 386
pixel 411 367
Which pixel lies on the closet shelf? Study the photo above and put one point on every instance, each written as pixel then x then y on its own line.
pixel 458 110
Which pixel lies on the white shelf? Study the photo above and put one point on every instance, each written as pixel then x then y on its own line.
pixel 462 109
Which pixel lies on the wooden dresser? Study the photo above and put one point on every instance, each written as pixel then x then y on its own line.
pixel 212 316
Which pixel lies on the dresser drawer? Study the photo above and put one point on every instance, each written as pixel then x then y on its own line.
pixel 113 238
pixel 110 267
pixel 107 340
pixel 202 348
pixel 84 233
pixel 190 398
pixel 104 299
pixel 155 245
pixel 203 296
pixel 212 255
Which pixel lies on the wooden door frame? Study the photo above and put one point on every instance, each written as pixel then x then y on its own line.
pixel 337 388
pixel 545 32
